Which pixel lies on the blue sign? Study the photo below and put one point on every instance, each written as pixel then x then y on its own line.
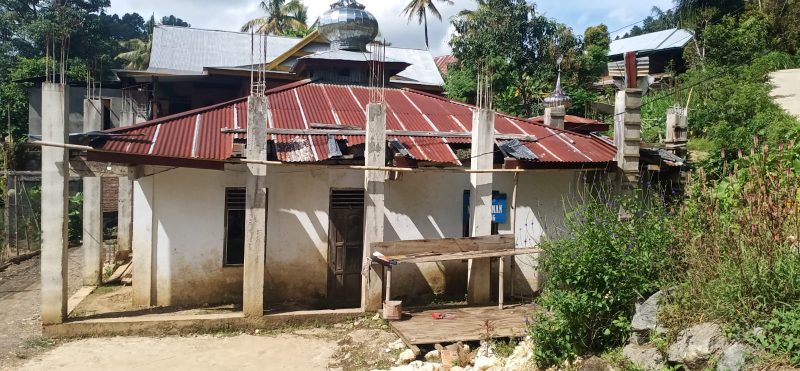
pixel 499 207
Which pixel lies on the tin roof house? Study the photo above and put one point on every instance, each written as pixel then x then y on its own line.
pixel 284 194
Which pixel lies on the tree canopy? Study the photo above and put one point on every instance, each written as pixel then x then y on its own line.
pixel 282 18
pixel 522 47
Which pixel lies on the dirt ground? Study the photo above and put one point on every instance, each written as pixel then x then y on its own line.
pixel 357 345
pixel 20 324
pixel 207 352
pixel 348 346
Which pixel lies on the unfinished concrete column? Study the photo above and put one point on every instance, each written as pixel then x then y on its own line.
pixel 481 201
pixel 677 134
pixel 145 242
pixel 92 208
pixel 125 196
pixel 375 155
pixel 628 133
pixel 554 116
pixel 255 232
pixel 55 195
pixel 125 213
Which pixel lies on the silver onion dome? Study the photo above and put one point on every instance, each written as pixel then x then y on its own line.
pixel 558 97
pixel 348 26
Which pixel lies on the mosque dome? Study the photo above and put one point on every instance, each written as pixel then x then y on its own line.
pixel 348 26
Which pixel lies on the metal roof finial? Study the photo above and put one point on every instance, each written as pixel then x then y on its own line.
pixel 558 97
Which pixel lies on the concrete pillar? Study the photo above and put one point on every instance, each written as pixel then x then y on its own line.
pixel 125 196
pixel 374 155
pixel 256 208
pixel 481 201
pixel 628 133
pixel 145 242
pixel 92 208
pixel 125 213
pixel 677 134
pixel 55 195
pixel 554 116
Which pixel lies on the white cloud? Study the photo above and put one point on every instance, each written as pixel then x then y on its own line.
pixel 231 14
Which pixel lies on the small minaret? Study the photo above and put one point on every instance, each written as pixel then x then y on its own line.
pixel 556 103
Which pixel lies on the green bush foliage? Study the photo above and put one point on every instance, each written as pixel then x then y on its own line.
pixel 738 261
pixel 597 272
pixel 781 335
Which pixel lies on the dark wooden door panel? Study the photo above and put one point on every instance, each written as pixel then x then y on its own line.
pixel 345 247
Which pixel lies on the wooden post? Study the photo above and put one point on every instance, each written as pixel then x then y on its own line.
pixel 500 283
pixel 514 229
pixel 389 283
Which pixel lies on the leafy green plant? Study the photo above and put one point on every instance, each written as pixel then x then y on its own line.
pixel 596 273
pixel 504 348
pixel 781 335
pixel 75 219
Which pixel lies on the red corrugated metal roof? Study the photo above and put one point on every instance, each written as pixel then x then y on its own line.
pixel 197 134
pixel 443 62
pixel 577 124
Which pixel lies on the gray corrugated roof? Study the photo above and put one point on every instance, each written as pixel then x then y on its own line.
pixel 661 40
pixel 345 55
pixel 185 50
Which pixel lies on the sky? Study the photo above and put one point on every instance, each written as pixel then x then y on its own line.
pixel 231 14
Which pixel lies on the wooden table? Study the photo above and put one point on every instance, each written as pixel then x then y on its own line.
pixel 389 261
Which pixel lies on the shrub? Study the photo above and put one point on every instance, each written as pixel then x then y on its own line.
pixel 596 272
pixel 738 260
pixel 781 335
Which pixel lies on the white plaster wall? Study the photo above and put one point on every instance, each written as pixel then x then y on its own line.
pixel 189 228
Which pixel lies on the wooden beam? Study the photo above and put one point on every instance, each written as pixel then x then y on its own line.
pixel 458 256
pixel 326 129
pixel 445 245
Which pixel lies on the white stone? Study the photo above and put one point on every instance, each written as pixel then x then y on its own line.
pixel 405 357
pixel 644 356
pixel 484 363
pixel 697 344
pixel 432 355
pixel 734 358
pixel 521 356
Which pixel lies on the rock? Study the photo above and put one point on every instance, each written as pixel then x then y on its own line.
pixel 457 368
pixel 734 357
pixel 484 363
pixel 644 356
pixel 645 319
pixel 407 356
pixel 432 356
pixel 595 364
pixel 520 358
pixel 395 345
pixel 460 353
pixel 639 338
pixel 696 345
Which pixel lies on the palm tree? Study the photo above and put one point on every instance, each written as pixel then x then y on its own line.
pixel 138 55
pixel 420 9
pixel 282 16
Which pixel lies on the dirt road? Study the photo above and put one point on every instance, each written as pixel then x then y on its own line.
pixel 20 324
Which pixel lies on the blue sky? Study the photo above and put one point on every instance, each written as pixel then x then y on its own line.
pixel 231 14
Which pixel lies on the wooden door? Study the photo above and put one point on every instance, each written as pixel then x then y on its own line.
pixel 345 248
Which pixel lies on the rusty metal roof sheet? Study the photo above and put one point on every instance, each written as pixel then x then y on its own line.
pixel 198 134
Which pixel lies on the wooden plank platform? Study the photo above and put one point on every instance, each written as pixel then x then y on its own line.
pixel 466 324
